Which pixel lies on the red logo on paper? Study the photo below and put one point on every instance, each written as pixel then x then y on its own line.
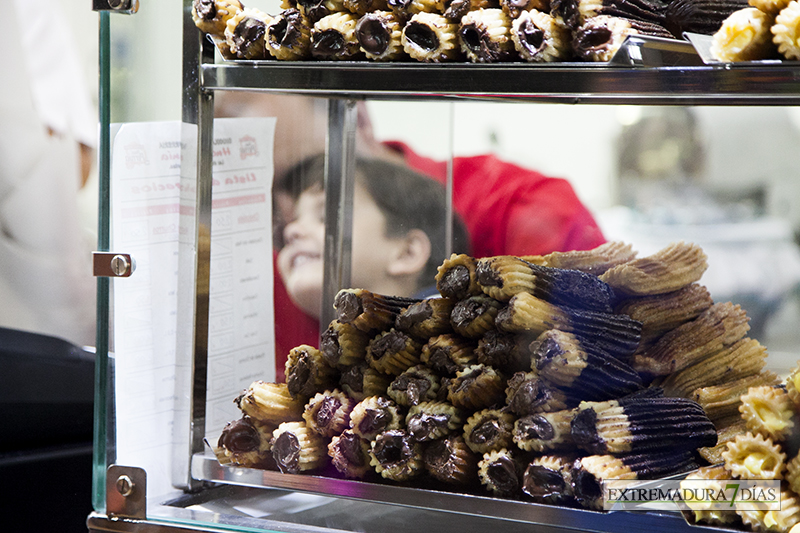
pixel 247 147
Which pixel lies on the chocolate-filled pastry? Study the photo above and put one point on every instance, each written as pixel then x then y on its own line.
pixel 698 16
pixel 507 352
pixel 449 353
pixel 429 421
pixel 590 473
pixel 500 472
pixel 368 311
pixel 723 401
pixel 476 387
pixel 246 443
pixel 597 40
pixel 744 358
pixel 544 431
pixel 548 479
pixel 396 456
pixel 527 393
pixel 379 34
pixel 636 424
pixel 485 36
pixel 212 16
pixel 427 318
pixel 538 38
pixel 315 10
pixel 594 261
pixel 502 277
pixel 334 37
pixel 661 313
pixel 405 9
pixel 270 403
pixel 475 316
pixel 786 31
pixel 455 277
pixel 718 327
pixel 455 9
pixel 289 36
pixel 669 269
pixel 431 38
pixel 642 10
pixel 488 430
pixel 375 415
pixel 450 460
pixel 328 413
pixel 566 13
pixel 343 345
pixel 307 372
pixel 584 371
pixel 392 352
pixel 349 454
pixel 362 7
pixel 361 380
pixel 514 8
pixel 245 33
pixel 414 385
pixel 296 448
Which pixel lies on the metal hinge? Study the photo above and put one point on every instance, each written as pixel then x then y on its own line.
pixel 112 265
pixel 126 492
pixel 128 7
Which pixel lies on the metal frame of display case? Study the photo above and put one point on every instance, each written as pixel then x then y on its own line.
pixel 767 83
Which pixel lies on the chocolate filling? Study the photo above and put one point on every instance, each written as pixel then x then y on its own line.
pixel 528 396
pixel 535 427
pixel 206 9
pixel 399 5
pixel 285 30
pixel 350 448
pixel 390 343
pixel 314 9
pixel 591 39
pixel 455 282
pixel 486 432
pixel 299 379
pixel 546 351
pixel 249 33
pixel 328 43
pixel 422 36
pixel 286 451
pixel 457 9
pixel 531 37
pixel 372 35
pixel 414 314
pixel 392 448
pixel 239 436
pixel 374 420
pixel 353 378
pixel 467 311
pixel 415 386
pixel 424 427
pixel 503 474
pixel 348 306
pixel 584 431
pixel 543 482
pixel 440 361
pixel 438 457
pixel 587 486
pixel 487 276
pixel 330 347
pixel 327 411
pixel 466 381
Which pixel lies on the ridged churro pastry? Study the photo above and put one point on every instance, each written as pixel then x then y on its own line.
pixel 712 477
pixel 722 401
pixel 450 460
pixel 212 16
pixel 786 31
pixel 288 36
pixel 368 311
pixel 375 415
pixel 744 36
pixel 473 317
pixel 544 431
pixel 727 430
pixel 667 270
pixel 307 372
pixel 772 7
pixel 548 479
pixel 507 352
pixel 485 36
pixel 538 38
pixel 343 345
pixel 514 8
pixel 476 387
pixel 500 472
pixel 428 421
pixel 448 354
pixel 333 37
pixel 349 454
pixel 296 448
pixel 489 429
pixel 395 456
pixel 718 327
pixel 245 33
pixel 361 380
pixel 752 456
pixel 744 358
pixel 785 518
pixel 640 10
pixel 527 394
pixel 392 352
pixel 698 16
pixel 328 413
pixel 456 278
pixel 379 34
pixel 270 403
pixel 594 261
pixel 315 10
pixel 246 443
pixel 769 411
pixel 793 473
pixel 427 318
pixel 407 8
pixel 362 7
pixel 414 385
pixel 431 38
pixel 600 37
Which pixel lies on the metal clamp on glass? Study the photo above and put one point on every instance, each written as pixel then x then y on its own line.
pixel 129 7
pixel 112 265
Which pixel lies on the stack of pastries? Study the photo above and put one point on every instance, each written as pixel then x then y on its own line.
pixel 434 31
pixel 764 29
pixel 535 378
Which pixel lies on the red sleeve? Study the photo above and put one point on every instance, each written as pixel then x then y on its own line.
pixel 292 326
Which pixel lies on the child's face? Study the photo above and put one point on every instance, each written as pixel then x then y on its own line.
pixel 300 262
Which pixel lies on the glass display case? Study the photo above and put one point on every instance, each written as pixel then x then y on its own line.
pixel 186 300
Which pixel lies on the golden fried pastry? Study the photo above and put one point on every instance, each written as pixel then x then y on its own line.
pixel 427 318
pixel 538 38
pixel 456 9
pixel 786 31
pixel 489 429
pixel 296 448
pixel 667 270
pixel 598 39
pixel 245 443
pixel 270 403
pixel 726 431
pixel 769 411
pixel 392 352
pixel 501 472
pixel 212 16
pixel 476 387
pixel 428 421
pixel 360 381
pixel 288 36
pixel 548 479
pixel 395 456
pixel 752 456
pixel 245 33
pixel 375 415
pixel 544 431
pixel 368 311
pixel 379 34
pixel 485 36
pixel 720 326
pixel 328 413
pixel 744 36
pixel 507 352
pixel 527 313
pixel 473 317
pixel 722 401
pixel 527 394
pixel 414 385
pixel 712 477
pixel 362 7
pixel 343 345
pixel 515 8
pixel 793 385
pixel 594 261
pixel 408 8
pixel 308 372
pixel 793 473
pixel 333 37
pixel 787 516
pixel 349 454
pixel 431 38
pixel 449 353
pixel 450 460
pixel 455 277
pixel 773 7
pixel 315 10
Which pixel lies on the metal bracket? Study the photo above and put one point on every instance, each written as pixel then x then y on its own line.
pixel 129 7
pixel 126 492
pixel 112 265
